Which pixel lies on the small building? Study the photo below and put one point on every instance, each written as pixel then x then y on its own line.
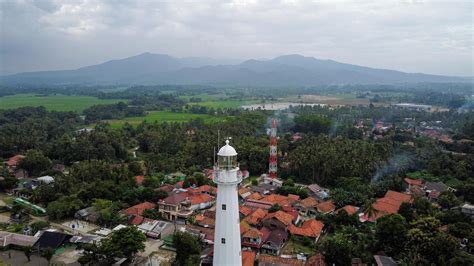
pixel 311 229
pixel 275 241
pixel 256 217
pixel 51 239
pixel 279 219
pixel 13 162
pixel 87 214
pixel 9 240
pixel 411 184
pixel 468 209
pixel 177 206
pixel 46 179
pixel 139 208
pixel 307 206
pixel 349 209
pixel 326 207
pixel 201 201
pixel 254 238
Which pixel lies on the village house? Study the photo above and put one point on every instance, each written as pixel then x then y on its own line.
pixel 326 207
pixel 254 238
pixel 311 229
pixel 349 209
pixel 244 211
pixel 434 189
pixel 256 217
pixel 279 219
pixel 201 201
pixel 275 242
pixel 389 204
pixel 307 207
pixel 412 184
pixel 13 162
pixel 318 192
pixel 51 239
pixel 134 213
pixel 175 207
pixel 12 240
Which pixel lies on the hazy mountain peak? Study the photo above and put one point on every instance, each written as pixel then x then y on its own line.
pixel 285 70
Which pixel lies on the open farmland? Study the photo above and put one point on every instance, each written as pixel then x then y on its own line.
pixel 57 102
pixel 164 116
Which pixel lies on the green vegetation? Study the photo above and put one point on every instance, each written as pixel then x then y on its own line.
pixel 55 102
pixel 165 116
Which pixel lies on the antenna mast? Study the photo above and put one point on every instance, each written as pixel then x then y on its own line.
pixel 273 161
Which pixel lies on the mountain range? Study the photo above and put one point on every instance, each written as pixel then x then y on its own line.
pixel 287 70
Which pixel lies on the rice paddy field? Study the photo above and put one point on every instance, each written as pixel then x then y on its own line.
pixel 165 116
pixel 57 102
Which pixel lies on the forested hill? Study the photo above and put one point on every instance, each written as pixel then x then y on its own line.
pixel 288 70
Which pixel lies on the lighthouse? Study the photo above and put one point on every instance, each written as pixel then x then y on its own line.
pixel 227 249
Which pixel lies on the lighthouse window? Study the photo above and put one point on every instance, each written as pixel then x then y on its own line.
pixel 223 207
pixel 223 240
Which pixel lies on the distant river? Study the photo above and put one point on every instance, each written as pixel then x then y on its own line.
pixel 277 106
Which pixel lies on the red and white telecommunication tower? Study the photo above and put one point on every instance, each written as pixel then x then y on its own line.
pixel 273 162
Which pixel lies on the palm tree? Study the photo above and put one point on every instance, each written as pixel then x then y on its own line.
pixel 369 209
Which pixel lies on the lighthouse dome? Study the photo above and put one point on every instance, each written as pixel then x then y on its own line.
pixel 227 150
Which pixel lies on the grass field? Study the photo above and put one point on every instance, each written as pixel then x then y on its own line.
pixel 57 102
pixel 164 116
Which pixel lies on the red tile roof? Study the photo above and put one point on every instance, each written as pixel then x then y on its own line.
pixel 253 233
pixel 309 202
pixel 175 198
pixel 256 217
pixel 281 216
pixel 279 199
pixel 201 198
pixel 137 220
pixel 349 209
pixel 294 197
pixel 326 206
pixel 246 211
pixel 258 204
pixel 248 258
pixel 398 196
pixel 139 179
pixel 203 189
pixel 255 196
pixel 310 228
pixel 414 182
pixel 14 160
pixel 139 208
pixel 389 204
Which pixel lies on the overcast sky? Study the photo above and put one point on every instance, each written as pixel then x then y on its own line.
pixel 415 36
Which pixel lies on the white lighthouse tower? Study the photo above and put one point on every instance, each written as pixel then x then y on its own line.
pixel 227 249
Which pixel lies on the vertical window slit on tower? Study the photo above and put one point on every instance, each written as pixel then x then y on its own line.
pixel 223 207
pixel 223 240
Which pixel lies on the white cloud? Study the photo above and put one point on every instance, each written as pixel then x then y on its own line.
pixel 416 36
